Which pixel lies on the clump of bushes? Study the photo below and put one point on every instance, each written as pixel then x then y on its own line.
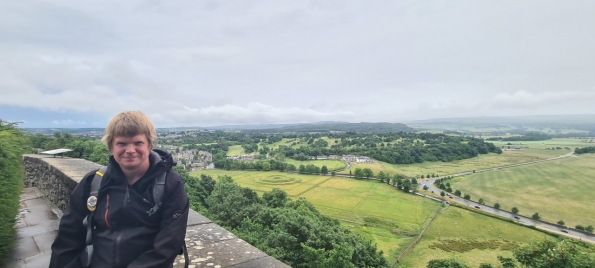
pixel 12 146
pixel 464 245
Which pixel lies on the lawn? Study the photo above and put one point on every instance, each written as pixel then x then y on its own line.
pixel 559 190
pixel 470 237
pixel 377 211
pixel 235 150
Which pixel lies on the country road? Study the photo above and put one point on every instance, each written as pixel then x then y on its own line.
pixel 523 220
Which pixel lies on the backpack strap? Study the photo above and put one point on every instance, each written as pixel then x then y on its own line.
pixel 91 205
pixel 158 191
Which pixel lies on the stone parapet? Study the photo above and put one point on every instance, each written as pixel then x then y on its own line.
pixel 209 245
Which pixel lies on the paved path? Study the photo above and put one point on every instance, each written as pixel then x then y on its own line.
pixel 37 225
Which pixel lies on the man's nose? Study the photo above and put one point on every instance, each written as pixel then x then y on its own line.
pixel 130 148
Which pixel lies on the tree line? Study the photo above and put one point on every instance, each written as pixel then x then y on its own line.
pixel 585 150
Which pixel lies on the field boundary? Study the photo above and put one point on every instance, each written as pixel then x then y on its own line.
pixel 412 245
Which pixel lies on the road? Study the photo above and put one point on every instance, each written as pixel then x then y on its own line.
pixel 523 220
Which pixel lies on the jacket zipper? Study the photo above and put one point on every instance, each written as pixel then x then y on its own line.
pixel 106 213
pixel 126 200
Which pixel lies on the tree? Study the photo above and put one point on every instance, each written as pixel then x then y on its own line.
pixel 497 206
pixel 515 210
pixel 359 173
pixel 551 253
pixel 536 216
pixel 368 173
pixel 324 170
pixel 425 187
pixel 507 262
pixel 561 222
pixel 266 166
pixel 350 175
pixel 481 202
pixel 302 169
pixel 467 196
pixel 275 198
pixel 442 193
pixel 413 181
pixel 381 176
pixel 589 228
pixel 486 265
pixel 458 193
pixel 333 173
pixel 406 186
pixel 446 263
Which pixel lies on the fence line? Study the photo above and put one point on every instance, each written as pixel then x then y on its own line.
pixel 417 239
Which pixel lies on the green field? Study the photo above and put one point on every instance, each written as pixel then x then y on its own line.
pixel 377 211
pixel 559 190
pixel 470 237
pixel 235 150
pixel 330 164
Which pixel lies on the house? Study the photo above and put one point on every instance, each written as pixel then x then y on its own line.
pixel 349 158
pixel 363 159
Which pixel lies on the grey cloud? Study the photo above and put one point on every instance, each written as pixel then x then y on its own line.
pixel 270 61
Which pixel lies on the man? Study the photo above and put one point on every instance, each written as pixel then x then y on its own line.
pixel 128 229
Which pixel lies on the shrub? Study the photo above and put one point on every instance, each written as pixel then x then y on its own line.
pixel 561 222
pixel 497 206
pixel 580 227
pixel 12 145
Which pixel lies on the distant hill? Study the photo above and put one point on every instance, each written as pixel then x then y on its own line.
pixel 520 125
pixel 341 126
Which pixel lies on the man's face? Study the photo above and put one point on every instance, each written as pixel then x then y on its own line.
pixel 131 152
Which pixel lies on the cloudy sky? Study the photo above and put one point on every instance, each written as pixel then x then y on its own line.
pixel 203 63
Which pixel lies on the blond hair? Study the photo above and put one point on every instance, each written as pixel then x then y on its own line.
pixel 129 124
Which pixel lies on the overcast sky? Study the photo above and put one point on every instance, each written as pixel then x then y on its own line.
pixel 204 63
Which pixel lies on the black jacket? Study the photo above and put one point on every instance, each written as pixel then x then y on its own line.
pixel 125 234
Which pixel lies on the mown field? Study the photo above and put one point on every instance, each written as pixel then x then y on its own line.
pixel 470 237
pixel 559 190
pixel 377 211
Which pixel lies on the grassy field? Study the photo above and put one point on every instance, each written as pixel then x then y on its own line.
pixel 377 211
pixel 330 164
pixel 236 150
pixel 559 190
pixel 470 237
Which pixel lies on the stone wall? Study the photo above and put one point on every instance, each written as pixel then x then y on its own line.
pixel 55 177
pixel 209 245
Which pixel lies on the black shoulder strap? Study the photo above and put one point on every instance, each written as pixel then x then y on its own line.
pixel 158 191
pixel 87 222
